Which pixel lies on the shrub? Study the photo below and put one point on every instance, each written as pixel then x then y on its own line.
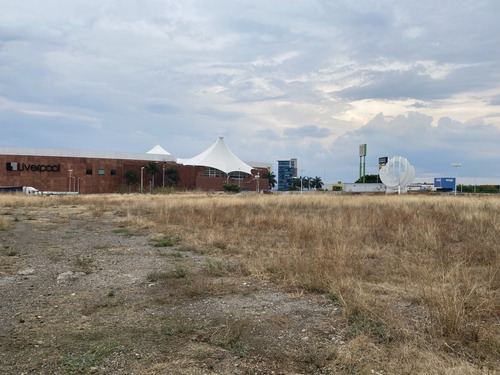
pixel 231 188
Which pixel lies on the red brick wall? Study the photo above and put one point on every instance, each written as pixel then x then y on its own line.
pixel 191 177
pixel 60 180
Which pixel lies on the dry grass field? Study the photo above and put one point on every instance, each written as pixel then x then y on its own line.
pixel 416 278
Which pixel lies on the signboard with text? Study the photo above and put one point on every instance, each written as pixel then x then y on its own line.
pixel 362 150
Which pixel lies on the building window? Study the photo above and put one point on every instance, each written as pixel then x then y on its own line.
pixel 113 172
pixel 100 171
pixel 89 170
pixel 213 172
pixel 238 175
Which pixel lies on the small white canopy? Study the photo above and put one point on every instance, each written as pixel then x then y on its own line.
pixel 158 150
pixel 220 157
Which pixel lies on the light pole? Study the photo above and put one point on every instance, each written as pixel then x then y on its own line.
pixel 301 180
pixel 163 175
pixel 142 179
pixel 456 166
pixel 69 185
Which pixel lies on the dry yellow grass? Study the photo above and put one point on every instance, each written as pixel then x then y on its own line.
pixel 418 276
pixel 5 223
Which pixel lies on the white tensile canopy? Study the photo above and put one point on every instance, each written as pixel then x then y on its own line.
pixel 158 150
pixel 220 157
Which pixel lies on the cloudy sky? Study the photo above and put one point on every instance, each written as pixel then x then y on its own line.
pixel 305 79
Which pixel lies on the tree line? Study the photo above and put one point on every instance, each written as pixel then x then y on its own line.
pixel 152 169
pixel 304 182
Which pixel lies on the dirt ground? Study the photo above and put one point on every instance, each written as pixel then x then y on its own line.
pixel 83 294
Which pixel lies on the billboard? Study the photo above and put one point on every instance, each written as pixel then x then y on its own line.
pixel 444 183
pixel 362 150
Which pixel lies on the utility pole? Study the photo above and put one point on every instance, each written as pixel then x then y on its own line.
pixel 362 162
pixel 456 165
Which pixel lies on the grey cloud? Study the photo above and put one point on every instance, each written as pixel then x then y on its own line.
pixel 197 70
pixel 162 108
pixel 310 131
pixel 416 84
pixel 267 134
pixel 220 115
pixel 495 100
pixel 418 105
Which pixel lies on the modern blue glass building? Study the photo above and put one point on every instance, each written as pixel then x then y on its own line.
pixel 287 170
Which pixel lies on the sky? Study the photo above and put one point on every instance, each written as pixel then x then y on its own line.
pixel 305 79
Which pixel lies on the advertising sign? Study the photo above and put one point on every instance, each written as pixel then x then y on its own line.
pixel 14 166
pixel 362 150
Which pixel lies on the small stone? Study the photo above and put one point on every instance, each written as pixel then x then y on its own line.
pixel 27 271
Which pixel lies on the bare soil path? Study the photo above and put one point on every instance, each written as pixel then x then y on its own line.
pixel 83 294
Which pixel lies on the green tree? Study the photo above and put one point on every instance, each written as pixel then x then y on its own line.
pixel 152 169
pixel 300 182
pixel 369 179
pixel 295 184
pixel 306 182
pixel 488 189
pixel 316 183
pixel 172 175
pixel 272 179
pixel 131 177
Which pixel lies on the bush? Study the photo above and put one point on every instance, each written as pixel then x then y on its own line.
pixel 231 188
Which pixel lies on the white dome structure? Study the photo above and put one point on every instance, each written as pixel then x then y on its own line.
pixel 220 157
pixel 158 150
pixel 397 174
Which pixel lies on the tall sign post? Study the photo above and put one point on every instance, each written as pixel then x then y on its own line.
pixel 456 165
pixel 362 162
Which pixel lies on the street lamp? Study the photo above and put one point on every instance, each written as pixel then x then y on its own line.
pixel 456 165
pixel 69 185
pixel 152 181
pixel 301 180
pixel 142 179
pixel 163 175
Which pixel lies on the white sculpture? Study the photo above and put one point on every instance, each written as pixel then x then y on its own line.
pixel 397 174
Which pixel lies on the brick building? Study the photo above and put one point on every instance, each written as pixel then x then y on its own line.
pixel 89 172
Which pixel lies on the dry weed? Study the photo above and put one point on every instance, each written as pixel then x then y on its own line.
pixel 408 270
pixel 5 223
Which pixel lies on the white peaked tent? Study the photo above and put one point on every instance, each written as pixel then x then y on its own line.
pixel 220 157
pixel 158 150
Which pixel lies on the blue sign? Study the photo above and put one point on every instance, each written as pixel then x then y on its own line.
pixel 444 183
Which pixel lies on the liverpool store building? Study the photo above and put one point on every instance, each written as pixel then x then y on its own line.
pixel 89 172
